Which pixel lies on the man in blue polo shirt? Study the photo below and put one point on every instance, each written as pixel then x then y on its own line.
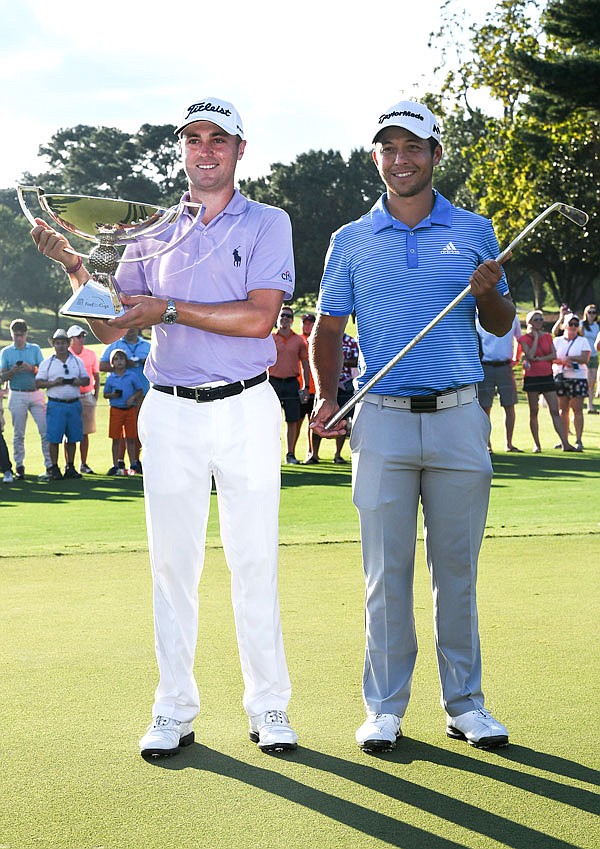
pixel 18 365
pixel 212 302
pixel 419 435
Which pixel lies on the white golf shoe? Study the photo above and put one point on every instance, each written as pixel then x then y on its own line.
pixel 379 732
pixel 164 737
pixel 272 731
pixel 478 728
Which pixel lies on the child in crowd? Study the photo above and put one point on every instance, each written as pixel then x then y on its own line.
pixel 125 392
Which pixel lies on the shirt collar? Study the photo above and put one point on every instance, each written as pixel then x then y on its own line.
pixel 441 214
pixel 236 206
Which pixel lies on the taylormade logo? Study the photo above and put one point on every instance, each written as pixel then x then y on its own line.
pixel 404 114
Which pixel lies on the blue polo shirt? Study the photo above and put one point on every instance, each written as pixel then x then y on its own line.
pixel 9 357
pixel 398 279
pixel 128 382
pixel 136 353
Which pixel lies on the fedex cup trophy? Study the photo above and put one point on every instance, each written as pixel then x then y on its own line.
pixel 111 223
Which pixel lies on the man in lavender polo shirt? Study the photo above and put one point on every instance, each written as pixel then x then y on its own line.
pixel 211 302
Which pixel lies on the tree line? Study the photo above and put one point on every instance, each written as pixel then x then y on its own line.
pixel 541 68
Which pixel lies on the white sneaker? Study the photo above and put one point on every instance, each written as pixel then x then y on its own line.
pixel 478 728
pixel 8 477
pixel 164 737
pixel 271 730
pixel 379 732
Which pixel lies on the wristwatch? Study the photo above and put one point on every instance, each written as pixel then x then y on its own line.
pixel 170 314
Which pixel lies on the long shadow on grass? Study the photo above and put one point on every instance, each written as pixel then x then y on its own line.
pixel 325 474
pixel 386 828
pixel 96 488
pixel 551 466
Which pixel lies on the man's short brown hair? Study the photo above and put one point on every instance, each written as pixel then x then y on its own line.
pixel 19 325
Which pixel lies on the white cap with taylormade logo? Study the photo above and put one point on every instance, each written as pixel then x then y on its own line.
pixel 412 116
pixel 219 112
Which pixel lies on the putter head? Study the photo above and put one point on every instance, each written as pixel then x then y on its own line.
pixel 577 216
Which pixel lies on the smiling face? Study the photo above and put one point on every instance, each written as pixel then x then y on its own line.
pixel 572 328
pixel 405 162
pixel 210 156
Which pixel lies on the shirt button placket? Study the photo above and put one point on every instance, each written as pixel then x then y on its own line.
pixel 412 250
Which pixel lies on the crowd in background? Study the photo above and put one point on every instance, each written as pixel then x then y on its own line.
pixel 560 370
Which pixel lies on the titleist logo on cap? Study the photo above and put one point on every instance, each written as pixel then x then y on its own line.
pixel 206 106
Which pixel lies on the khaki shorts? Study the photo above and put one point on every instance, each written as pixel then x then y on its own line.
pixel 88 412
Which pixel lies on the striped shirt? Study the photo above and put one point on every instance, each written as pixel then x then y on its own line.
pixel 397 279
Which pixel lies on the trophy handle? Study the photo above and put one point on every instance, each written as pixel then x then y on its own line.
pixel 170 245
pixel 29 216
pixel 20 195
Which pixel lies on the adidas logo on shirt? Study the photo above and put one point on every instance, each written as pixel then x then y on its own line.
pixel 450 249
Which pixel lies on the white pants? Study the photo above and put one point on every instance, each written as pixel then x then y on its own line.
pixel 19 404
pixel 236 440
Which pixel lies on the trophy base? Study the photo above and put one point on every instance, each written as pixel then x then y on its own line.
pixel 92 300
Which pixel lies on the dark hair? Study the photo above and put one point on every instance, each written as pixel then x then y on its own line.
pixel 19 324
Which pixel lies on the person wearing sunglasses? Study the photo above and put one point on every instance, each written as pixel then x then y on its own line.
pixel 590 329
pixel 570 375
pixel 62 374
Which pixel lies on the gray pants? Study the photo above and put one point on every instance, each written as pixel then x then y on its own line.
pixel 440 459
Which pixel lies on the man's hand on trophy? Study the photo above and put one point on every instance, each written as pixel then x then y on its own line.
pixel 53 244
pixel 141 311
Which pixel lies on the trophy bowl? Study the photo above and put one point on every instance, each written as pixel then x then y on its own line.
pixel 110 223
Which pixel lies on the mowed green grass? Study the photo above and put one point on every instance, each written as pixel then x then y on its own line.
pixel 78 673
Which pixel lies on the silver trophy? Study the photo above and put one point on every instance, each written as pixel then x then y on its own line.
pixel 110 223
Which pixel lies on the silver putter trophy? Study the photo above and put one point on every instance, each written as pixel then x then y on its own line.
pixel 109 222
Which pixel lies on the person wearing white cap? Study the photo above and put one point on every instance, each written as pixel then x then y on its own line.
pixel 89 393
pixel 420 434
pixel 212 302
pixel 61 375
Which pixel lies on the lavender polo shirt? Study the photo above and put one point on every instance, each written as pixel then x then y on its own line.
pixel 247 246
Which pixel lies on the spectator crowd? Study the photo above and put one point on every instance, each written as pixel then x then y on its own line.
pixel 559 367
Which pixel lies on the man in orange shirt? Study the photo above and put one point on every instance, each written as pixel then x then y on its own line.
pixel 292 358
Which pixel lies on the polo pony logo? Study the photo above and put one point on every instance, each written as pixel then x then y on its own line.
pixel 237 259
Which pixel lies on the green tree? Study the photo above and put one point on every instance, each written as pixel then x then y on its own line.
pixel 321 192
pixel 26 278
pixel 566 76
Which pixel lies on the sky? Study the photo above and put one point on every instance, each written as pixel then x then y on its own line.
pixel 304 76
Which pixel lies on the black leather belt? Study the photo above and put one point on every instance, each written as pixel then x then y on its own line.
pixel 495 362
pixel 64 400
pixel 212 393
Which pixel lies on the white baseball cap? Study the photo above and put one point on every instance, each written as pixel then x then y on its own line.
pixel 219 112
pixel 412 116
pixel 75 330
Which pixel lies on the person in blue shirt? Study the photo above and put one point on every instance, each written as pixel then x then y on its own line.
pixel 124 391
pixel 420 435
pixel 18 365
pixel 137 349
